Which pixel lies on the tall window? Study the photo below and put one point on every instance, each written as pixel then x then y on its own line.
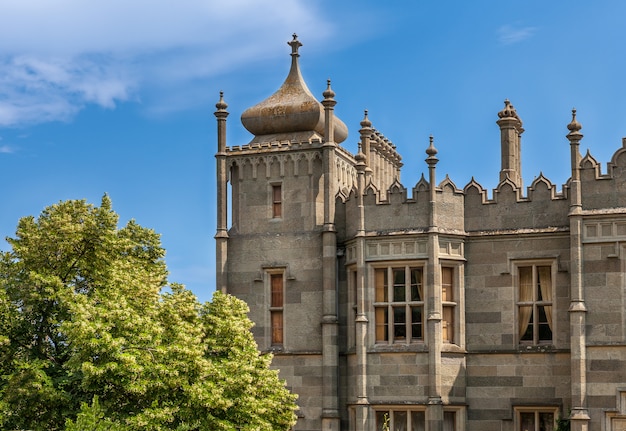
pixel 448 303
pixel 399 304
pixel 276 308
pixel 535 304
pixel 529 419
pixel 277 201
pixel 400 420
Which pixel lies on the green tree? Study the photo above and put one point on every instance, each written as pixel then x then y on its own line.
pixel 93 337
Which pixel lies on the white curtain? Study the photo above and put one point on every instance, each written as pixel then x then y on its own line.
pixel 544 275
pixel 525 295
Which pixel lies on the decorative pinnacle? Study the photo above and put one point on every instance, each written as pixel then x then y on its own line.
pixel 432 153
pixel 574 126
pixel 366 121
pixel 508 111
pixel 221 105
pixel 295 44
pixel 328 93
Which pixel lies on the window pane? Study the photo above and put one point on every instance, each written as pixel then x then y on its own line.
pixel 399 323
pixel 381 285
pixel 418 421
pixel 277 327
pixel 527 421
pixel 446 284
pixel 276 201
pixel 399 285
pixel 448 324
pixel 526 284
pixel 545 333
pixel 416 323
pixel 400 421
pixel 526 323
pixel 544 283
pixel 277 290
pixel 449 421
pixel 416 285
pixel 381 324
pixel 546 421
pixel 382 419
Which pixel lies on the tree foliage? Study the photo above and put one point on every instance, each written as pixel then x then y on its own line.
pixel 93 337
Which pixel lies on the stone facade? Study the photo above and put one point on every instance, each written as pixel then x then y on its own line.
pixel 437 308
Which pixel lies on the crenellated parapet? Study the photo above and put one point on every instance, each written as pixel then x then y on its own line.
pixel 602 190
pixel 542 207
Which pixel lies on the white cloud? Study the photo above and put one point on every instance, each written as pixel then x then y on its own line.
pixel 5 149
pixel 508 34
pixel 56 57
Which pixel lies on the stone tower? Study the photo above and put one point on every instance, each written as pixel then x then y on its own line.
pixel 280 251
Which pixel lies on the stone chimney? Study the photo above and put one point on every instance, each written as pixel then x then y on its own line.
pixel 510 140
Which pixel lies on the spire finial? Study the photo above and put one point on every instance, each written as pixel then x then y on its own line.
pixel 574 125
pixel 432 152
pixel 295 44
pixel 221 105
pixel 328 93
pixel 366 121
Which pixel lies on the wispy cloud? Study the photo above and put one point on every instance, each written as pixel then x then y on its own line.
pixel 57 57
pixel 5 149
pixel 509 34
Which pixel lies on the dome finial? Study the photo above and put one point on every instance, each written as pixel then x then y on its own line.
pixel 432 152
pixel 574 125
pixel 221 105
pixel 366 121
pixel 295 44
pixel 328 93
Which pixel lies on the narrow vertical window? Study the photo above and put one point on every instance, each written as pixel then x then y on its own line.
pixel 276 308
pixel 448 304
pixel 398 304
pixel 535 304
pixel 277 201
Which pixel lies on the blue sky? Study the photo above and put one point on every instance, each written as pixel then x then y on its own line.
pixel 118 96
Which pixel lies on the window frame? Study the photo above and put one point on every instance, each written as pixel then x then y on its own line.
pixel 535 303
pixel 393 410
pixel 451 303
pixel 458 411
pixel 276 201
pixel 276 307
pixel 386 308
pixel 536 410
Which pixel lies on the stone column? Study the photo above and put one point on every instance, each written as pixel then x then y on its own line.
pixel 221 236
pixel 330 348
pixel 579 415
pixel 361 322
pixel 434 411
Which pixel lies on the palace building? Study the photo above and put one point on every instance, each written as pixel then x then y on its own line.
pixel 435 308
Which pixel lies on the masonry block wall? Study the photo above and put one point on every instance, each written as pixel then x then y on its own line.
pixel 432 307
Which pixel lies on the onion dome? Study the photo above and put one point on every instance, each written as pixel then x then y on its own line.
pixel 292 112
